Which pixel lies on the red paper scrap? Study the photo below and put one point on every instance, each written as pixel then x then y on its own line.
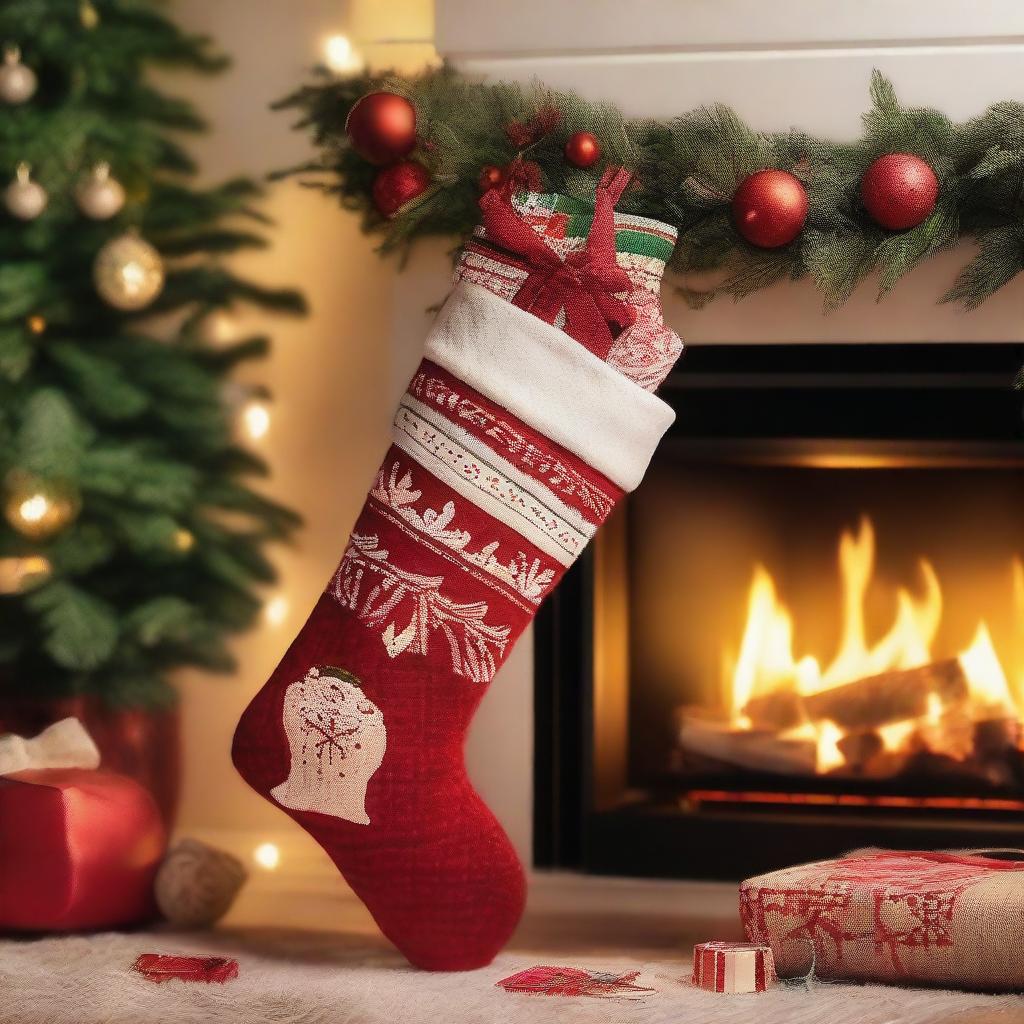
pixel 571 981
pixel 165 967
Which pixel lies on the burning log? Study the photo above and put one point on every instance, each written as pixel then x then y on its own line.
pixel 754 749
pixel 779 710
pixel 859 749
pixel 866 703
pixel 888 697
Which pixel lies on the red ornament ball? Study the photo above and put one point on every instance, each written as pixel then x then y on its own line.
pixel 382 127
pixel 582 149
pixel 399 184
pixel 490 177
pixel 769 208
pixel 899 191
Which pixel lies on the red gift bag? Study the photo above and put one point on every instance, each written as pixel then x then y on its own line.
pixel 954 919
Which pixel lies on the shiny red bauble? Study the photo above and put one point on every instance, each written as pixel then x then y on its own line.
pixel 582 149
pixel 382 127
pixel 399 184
pixel 899 191
pixel 769 208
pixel 490 177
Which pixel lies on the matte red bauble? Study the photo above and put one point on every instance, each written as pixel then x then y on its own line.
pixel 582 149
pixel 899 190
pixel 399 184
pixel 769 208
pixel 382 127
pixel 490 177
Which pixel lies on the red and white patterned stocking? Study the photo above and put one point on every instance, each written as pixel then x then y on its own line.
pixel 528 419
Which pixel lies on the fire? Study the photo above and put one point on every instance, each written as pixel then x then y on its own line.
pixel 766 663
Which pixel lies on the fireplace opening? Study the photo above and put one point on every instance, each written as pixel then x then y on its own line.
pixel 804 632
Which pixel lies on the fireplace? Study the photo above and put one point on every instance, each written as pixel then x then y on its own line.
pixel 804 632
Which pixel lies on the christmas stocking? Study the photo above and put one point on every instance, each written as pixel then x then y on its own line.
pixel 528 419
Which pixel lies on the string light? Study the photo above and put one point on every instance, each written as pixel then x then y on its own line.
pixel 275 611
pixel 339 55
pixel 36 324
pixel 220 326
pixel 267 855
pixel 34 509
pixel 184 540
pixel 39 508
pixel 256 418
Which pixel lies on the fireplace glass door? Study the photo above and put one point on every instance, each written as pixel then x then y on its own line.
pixel 804 632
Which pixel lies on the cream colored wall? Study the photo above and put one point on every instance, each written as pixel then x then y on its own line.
pixel 335 376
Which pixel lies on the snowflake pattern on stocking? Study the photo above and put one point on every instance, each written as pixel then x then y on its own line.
pixel 337 740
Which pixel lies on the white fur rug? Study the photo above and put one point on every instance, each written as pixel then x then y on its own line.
pixel 326 978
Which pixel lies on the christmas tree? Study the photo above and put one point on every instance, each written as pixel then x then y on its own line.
pixel 130 542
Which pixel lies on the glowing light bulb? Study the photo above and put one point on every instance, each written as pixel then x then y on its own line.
pixel 184 540
pixel 34 509
pixel 267 855
pixel 133 276
pixel 339 55
pixel 256 417
pixel 276 610
pixel 36 324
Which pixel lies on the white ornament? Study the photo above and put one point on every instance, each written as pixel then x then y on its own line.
pixel 196 884
pixel 25 198
pixel 17 82
pixel 128 272
pixel 100 196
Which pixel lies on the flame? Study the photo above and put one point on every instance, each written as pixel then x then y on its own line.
pixel 986 680
pixel 766 662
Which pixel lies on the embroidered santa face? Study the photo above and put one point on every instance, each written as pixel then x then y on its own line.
pixel 337 739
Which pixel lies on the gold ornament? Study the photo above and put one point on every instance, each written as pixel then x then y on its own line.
pixel 25 198
pixel 88 15
pixel 39 508
pixel 100 196
pixel 18 573
pixel 128 272
pixel 17 82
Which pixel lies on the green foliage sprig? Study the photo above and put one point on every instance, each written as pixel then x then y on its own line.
pixel 129 409
pixel 687 170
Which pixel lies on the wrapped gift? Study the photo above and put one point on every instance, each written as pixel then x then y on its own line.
pixel 733 967
pixel 78 850
pixel 954 919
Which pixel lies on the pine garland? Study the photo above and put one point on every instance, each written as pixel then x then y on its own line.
pixel 688 169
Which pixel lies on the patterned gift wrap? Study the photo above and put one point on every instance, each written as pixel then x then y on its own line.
pixel 952 919
pixel 645 351
pixel 733 967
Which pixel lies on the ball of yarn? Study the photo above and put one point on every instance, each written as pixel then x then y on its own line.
pixel 196 884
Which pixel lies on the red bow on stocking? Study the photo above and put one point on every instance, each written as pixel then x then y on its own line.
pixel 584 282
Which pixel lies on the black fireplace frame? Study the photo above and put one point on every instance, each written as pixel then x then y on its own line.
pixel 939 401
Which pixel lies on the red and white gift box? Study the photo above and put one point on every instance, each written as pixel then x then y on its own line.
pixel 733 967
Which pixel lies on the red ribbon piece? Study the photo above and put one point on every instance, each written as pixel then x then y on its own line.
pixel 571 981
pixel 584 282
pixel 160 967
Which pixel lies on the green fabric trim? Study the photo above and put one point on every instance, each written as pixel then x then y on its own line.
pixel 634 238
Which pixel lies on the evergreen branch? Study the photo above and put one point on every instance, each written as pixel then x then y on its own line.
pixel 687 169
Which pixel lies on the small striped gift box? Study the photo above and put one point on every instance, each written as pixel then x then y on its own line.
pixel 733 967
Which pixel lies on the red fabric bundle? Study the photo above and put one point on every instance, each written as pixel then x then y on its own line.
pixel 78 850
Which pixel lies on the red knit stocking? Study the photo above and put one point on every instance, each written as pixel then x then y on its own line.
pixel 512 444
